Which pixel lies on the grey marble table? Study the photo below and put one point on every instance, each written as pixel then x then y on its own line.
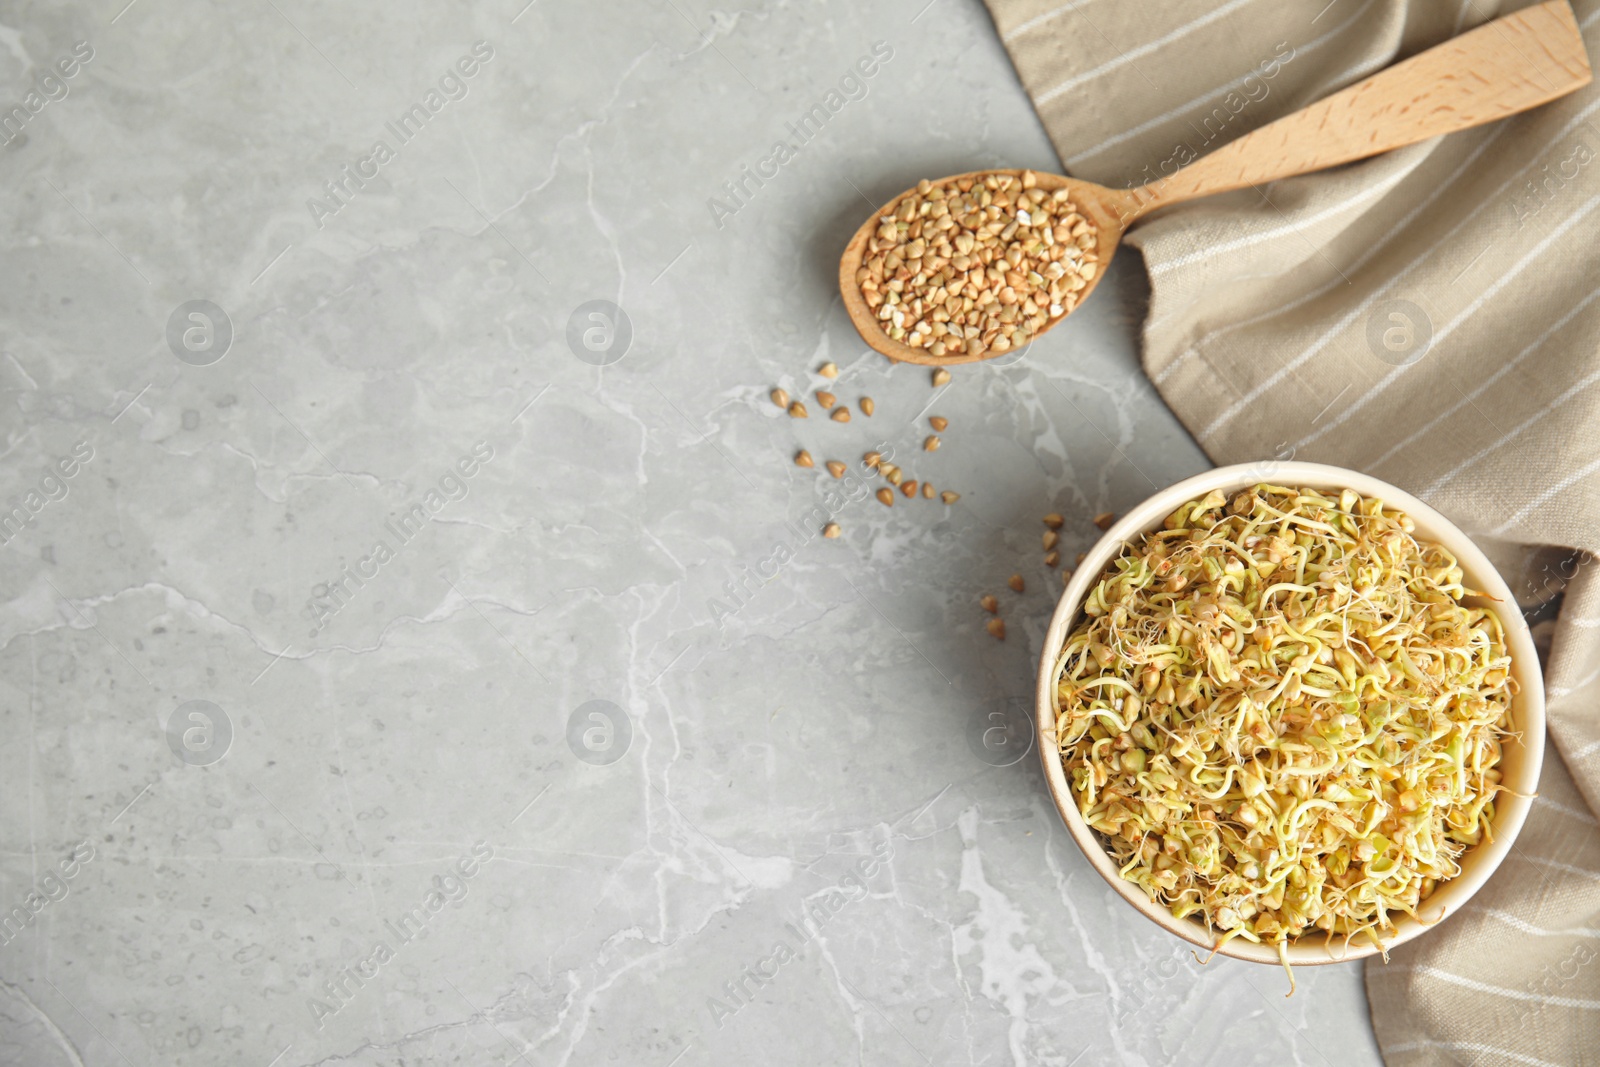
pixel 403 665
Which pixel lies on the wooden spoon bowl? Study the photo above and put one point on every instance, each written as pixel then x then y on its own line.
pixel 1107 209
pixel 1501 68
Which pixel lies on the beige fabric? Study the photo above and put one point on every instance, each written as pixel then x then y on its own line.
pixel 1280 323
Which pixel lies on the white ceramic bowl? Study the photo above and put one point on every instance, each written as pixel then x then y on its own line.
pixel 1520 759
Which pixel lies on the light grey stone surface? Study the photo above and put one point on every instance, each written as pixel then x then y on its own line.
pixel 760 743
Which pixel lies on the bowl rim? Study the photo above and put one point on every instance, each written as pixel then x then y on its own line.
pixel 1522 773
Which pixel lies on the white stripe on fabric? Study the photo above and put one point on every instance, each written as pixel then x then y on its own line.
pixel 1212 250
pixel 1039 20
pixel 1586 751
pixel 1143 50
pixel 1567 394
pixel 1538 501
pixel 1581 816
pixel 1478 303
pixel 1221 90
pixel 1501 991
pixel 1483 387
pixel 1583 872
pixel 1355 265
pixel 1469 1046
pixel 1554 691
pixel 1520 924
pixel 1232 410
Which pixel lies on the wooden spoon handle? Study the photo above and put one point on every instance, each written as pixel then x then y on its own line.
pixel 1500 68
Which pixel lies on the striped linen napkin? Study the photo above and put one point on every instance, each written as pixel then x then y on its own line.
pixel 1430 316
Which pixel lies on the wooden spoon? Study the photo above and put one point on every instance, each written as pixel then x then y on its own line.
pixel 1503 67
